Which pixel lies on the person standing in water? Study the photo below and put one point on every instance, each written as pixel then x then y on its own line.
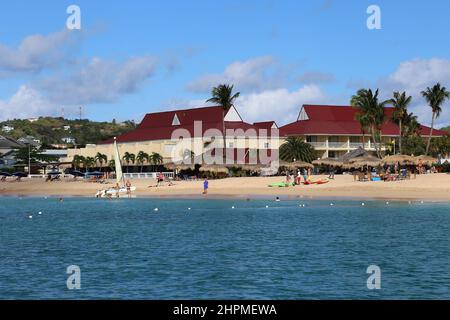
pixel 205 186
pixel 117 187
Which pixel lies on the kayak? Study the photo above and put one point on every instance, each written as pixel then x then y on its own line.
pixel 280 185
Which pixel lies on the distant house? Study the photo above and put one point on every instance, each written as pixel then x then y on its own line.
pixel 30 140
pixel 32 119
pixel 6 128
pixel 8 147
pixel 66 128
pixel 68 140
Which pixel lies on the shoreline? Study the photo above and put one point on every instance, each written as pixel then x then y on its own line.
pixel 431 187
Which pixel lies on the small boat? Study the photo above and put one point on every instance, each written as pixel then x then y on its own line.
pixel 112 192
pixel 119 178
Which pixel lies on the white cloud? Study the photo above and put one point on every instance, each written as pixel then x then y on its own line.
pixel 37 52
pixel 99 82
pixel 280 105
pixel 26 103
pixel 414 76
pixel 255 74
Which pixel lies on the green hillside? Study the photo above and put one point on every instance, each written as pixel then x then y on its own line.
pixel 53 130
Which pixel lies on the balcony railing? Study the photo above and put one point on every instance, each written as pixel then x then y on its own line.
pixel 318 144
pixel 337 145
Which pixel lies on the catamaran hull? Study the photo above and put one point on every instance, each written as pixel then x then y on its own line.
pixel 113 192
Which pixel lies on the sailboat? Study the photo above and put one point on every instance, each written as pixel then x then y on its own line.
pixel 120 179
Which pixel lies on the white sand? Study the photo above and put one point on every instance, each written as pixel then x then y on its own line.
pixel 424 187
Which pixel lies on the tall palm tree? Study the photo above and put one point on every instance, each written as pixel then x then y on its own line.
pixel 129 157
pixel 156 159
pixel 223 96
pixel 141 158
pixel 101 158
pixel 88 162
pixel 400 102
pixel 369 105
pixel 435 97
pixel 364 123
pixel 77 161
pixel 296 148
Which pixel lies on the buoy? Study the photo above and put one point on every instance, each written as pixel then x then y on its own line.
pixel 363 204
pixel 267 207
pixel 189 208
pixel 421 202
pixel 304 205
pixel 331 204
pixel 387 202
pixel 31 217
pixel 40 212
pixel 232 207
pixel 156 209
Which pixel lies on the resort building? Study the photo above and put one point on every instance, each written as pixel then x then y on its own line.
pixel 181 134
pixel 334 130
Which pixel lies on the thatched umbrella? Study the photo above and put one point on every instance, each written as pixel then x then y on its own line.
pixel 179 166
pixel 328 162
pixel 426 160
pixel 364 161
pixel 214 168
pixel 400 158
pixel 295 165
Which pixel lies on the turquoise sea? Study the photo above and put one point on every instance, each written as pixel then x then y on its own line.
pixel 127 250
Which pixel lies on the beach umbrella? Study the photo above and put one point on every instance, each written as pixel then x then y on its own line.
pixel 179 166
pixel 364 161
pixel 296 164
pixel 400 158
pixel 76 173
pixel 5 174
pixel 214 168
pixel 95 173
pixel 426 160
pixel 328 162
pixel 20 174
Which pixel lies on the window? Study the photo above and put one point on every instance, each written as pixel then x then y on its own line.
pixel 311 139
pixel 266 145
pixel 230 144
pixel 332 154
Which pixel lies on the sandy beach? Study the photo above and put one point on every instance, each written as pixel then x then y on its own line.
pixel 434 187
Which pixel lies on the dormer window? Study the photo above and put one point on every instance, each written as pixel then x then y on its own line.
pixel 175 121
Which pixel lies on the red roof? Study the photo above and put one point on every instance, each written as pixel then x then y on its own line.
pixel 340 120
pixel 160 125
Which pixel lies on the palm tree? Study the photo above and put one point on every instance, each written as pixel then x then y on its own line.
pixel 100 158
pixel 435 97
pixel 77 161
pixel 156 159
pixel 364 123
pixel 223 96
pixel 129 157
pixel 88 162
pixel 141 158
pixel 369 106
pixel 400 102
pixel 296 148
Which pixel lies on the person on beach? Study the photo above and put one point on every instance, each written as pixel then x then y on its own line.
pixel 288 177
pixel 117 187
pixel 205 186
pixel 298 179
pixel 128 185
pixel 160 179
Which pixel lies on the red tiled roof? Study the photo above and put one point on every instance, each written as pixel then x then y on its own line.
pixel 340 120
pixel 158 126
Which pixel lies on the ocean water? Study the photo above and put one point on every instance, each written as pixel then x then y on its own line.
pixel 127 250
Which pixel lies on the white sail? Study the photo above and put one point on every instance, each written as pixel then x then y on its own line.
pixel 119 174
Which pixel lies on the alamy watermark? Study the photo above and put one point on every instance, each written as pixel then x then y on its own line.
pixel 73 22
pixel 203 145
pixel 374 280
pixel 74 280
pixel 374 20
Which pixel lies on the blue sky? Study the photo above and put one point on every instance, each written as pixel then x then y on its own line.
pixel 133 57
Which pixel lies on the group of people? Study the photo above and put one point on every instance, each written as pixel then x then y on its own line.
pixel 296 178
